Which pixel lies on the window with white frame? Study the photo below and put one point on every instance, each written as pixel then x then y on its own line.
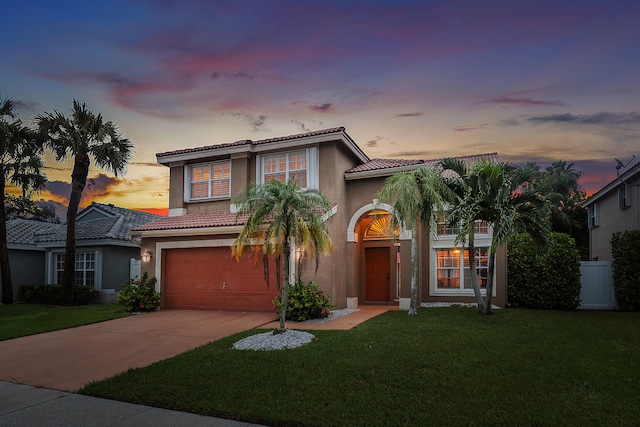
pixel 210 180
pixel 85 268
pixel 285 166
pixel 623 197
pixel 445 229
pixel 453 271
pixel 594 220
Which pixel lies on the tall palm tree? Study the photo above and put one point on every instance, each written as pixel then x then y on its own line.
pixel 456 175
pixel 82 136
pixel 416 196
pixel 281 216
pixel 499 198
pixel 20 165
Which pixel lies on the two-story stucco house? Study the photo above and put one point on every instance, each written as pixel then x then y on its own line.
pixel 190 249
pixel 614 208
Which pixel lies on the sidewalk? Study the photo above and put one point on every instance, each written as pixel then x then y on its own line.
pixel 23 405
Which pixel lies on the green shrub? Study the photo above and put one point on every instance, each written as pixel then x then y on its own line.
pixel 140 294
pixel 306 301
pixel 550 280
pixel 52 294
pixel 625 251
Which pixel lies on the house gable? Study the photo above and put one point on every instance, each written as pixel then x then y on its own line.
pixel 614 208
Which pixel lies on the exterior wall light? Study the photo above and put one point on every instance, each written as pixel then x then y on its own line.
pixel 147 255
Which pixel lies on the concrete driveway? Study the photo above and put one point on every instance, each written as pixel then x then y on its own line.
pixel 68 359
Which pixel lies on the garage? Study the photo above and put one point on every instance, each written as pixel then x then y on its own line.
pixel 209 278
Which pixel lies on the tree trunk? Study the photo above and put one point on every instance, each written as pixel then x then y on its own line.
pixel 78 181
pixel 492 262
pixel 7 286
pixel 284 292
pixel 413 305
pixel 474 271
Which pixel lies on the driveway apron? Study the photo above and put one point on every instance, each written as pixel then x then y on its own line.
pixel 68 359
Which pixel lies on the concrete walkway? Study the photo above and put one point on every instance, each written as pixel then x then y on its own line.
pixel 65 360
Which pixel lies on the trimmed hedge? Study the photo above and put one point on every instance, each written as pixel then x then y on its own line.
pixel 550 280
pixel 625 251
pixel 52 294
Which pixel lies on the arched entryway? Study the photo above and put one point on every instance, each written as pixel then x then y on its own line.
pixel 375 240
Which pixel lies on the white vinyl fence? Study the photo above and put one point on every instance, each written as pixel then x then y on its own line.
pixel 597 291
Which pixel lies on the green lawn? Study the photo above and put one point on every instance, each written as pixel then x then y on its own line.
pixel 18 320
pixel 448 366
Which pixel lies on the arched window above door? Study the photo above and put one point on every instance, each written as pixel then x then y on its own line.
pixel 380 227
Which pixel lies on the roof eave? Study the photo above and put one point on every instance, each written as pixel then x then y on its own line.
pixel 214 151
pixel 635 170
pixel 379 173
pixel 181 232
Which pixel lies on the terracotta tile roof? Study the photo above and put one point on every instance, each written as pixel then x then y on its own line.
pixel 250 142
pixel 199 220
pixel 376 164
pixel 382 164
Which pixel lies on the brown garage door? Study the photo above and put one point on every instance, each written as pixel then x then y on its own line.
pixel 211 279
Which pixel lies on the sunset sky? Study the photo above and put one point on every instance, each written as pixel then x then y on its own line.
pixel 533 80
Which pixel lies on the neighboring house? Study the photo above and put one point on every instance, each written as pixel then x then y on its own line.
pixel 26 259
pixel 614 208
pixel 104 248
pixel 370 265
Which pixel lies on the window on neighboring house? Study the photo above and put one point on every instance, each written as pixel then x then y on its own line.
pixel 210 181
pixel 85 268
pixel 444 229
pixel 623 197
pixel 453 271
pixel 285 166
pixel 594 220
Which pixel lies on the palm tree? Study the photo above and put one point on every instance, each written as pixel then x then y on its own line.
pixel 456 175
pixel 21 165
pixel 82 136
pixel 499 198
pixel 416 196
pixel 282 216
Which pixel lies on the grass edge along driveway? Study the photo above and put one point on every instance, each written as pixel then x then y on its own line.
pixel 448 366
pixel 19 320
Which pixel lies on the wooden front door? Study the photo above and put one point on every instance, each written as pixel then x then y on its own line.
pixel 377 274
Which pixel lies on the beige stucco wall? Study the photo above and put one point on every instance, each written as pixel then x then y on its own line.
pixel 613 219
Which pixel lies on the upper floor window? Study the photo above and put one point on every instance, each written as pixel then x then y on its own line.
pixel 210 180
pixel 285 166
pixel 300 165
pixel 623 197
pixel 445 229
pixel 594 220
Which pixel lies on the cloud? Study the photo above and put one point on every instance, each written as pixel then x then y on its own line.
pixel 409 114
pixel 256 122
pixel 22 105
pixel 301 126
pixel 470 128
pixel 322 108
pixel 598 119
pixel 526 102
pixel 97 188
pixel 237 75
pixel 147 164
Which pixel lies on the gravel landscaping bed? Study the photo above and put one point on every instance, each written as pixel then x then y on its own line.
pixel 287 339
